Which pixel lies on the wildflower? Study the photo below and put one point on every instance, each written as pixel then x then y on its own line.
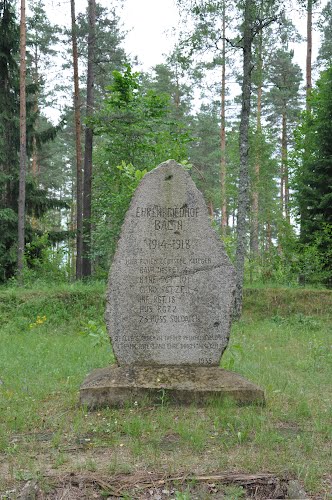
pixel 39 321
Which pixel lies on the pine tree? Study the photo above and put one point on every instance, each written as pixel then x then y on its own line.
pixel 87 180
pixel 23 147
pixel 78 147
pixel 283 101
pixel 308 5
pixel 41 39
pixel 209 36
pixel 309 55
pixel 37 200
pixel 205 153
pixel 9 137
pixel 223 163
pixel 109 55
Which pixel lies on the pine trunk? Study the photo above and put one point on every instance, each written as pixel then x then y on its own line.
pixel 177 93
pixel 87 184
pixel 309 55
pixel 268 234
pixel 71 241
pixel 34 166
pixel 255 194
pixel 243 196
pixel 223 132
pixel 79 177
pixel 23 153
pixel 284 175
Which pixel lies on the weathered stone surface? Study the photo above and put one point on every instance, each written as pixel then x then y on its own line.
pixel 115 386
pixel 171 285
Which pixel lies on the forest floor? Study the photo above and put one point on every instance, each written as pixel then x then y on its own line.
pixel 50 447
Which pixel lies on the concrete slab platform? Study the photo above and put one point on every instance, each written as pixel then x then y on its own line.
pixel 116 386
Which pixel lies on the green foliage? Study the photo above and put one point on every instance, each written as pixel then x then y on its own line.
pixel 45 262
pixel 136 126
pixel 234 355
pixel 115 187
pixel 97 332
pixel 136 133
pixel 283 98
pixel 42 37
pixel 182 495
pixel 9 95
pixel 145 119
pixel 205 153
pixel 325 25
pixel 177 80
pixel 56 154
pixel 37 247
pixel 234 492
pixel 315 259
pixel 313 163
pixel 262 151
pixel 9 137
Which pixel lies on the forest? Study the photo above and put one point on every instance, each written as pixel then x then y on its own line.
pixel 229 103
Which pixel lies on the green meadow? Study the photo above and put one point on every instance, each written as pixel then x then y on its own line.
pixel 51 338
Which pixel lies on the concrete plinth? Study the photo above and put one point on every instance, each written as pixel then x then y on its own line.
pixel 115 386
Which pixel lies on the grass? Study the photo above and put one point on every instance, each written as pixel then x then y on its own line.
pixel 52 337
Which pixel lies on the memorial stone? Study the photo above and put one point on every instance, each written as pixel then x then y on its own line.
pixel 171 287
pixel 169 300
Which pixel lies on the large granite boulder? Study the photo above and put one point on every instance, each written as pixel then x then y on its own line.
pixel 171 286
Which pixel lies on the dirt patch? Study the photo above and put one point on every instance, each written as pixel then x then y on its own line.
pixel 143 485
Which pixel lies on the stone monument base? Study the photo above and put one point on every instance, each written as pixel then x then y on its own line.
pixel 115 386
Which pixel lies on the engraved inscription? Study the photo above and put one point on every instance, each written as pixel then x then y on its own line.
pixel 154 244
pixel 158 212
pixel 161 283
pixel 169 225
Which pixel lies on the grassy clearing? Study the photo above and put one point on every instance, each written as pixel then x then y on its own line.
pixel 283 343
